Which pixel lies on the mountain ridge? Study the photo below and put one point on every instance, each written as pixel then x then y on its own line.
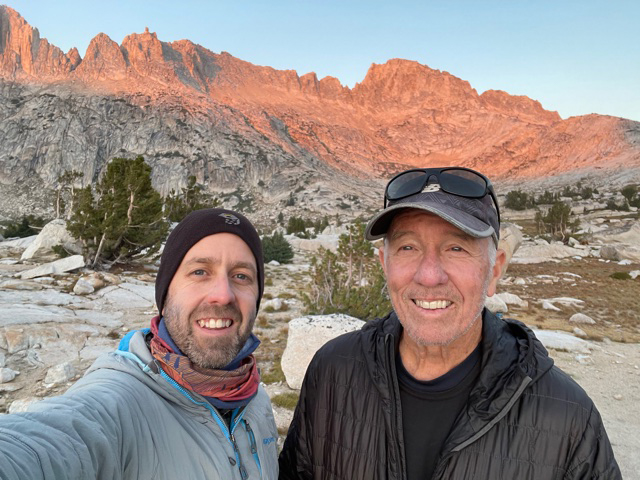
pixel 224 119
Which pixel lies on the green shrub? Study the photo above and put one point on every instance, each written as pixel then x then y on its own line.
pixel 179 204
pixel 270 309
pixel 547 198
pixel 274 375
pixel 518 200
pixel 23 227
pixel 287 400
pixel 586 193
pixel 277 248
pixel 630 192
pixel 350 281
pixel 612 205
pixel 60 251
pixel 620 276
pixel 556 221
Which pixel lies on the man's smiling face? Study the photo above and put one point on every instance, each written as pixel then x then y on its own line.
pixel 438 277
pixel 211 302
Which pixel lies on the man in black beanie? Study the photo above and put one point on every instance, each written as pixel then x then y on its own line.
pixel 181 399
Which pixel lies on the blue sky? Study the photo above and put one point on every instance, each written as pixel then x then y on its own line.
pixel 575 57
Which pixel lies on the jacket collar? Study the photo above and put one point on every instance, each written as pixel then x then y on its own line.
pixel 510 353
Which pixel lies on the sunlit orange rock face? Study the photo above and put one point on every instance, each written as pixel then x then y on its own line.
pixel 402 114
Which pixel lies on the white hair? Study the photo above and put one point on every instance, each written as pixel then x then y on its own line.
pixel 492 252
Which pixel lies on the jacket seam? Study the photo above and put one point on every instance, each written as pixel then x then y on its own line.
pixel 563 400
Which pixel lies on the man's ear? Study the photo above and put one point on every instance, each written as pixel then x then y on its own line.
pixel 496 272
pixel 381 257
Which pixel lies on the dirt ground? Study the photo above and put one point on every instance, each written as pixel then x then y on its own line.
pixel 614 304
pixel 611 377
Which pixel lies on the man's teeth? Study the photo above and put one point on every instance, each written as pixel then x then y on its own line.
pixel 215 323
pixel 433 305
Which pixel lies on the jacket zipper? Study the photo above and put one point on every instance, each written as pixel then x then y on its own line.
pixel 228 433
pixel 518 393
pixel 254 447
pixel 393 391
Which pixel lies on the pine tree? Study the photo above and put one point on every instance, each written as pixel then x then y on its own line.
pixel 65 193
pixel 192 197
pixel 349 281
pixel 124 218
pixel 276 247
pixel 556 221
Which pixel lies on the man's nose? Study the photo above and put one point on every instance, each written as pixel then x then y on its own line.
pixel 220 291
pixel 430 271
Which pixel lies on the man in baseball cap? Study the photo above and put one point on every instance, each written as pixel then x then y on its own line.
pixel 441 388
pixel 181 399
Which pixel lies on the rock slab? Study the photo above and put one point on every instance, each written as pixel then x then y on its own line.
pixel 306 336
pixel 59 266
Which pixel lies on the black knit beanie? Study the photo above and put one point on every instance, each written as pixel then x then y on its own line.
pixel 193 228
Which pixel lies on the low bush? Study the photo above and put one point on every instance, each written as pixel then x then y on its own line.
pixel 620 276
pixel 287 400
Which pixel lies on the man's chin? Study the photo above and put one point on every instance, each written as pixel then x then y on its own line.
pixel 214 355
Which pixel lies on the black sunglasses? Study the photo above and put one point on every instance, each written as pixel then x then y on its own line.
pixel 460 181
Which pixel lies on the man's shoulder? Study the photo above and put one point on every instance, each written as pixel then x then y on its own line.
pixel 114 373
pixel 558 391
pixel 355 345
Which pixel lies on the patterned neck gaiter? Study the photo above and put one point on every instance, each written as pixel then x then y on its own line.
pixel 227 388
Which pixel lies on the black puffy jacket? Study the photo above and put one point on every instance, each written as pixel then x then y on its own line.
pixel 525 418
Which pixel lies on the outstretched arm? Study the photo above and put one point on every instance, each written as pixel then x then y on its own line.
pixel 70 437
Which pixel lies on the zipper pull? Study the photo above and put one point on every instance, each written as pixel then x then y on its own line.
pixel 243 472
pixel 252 438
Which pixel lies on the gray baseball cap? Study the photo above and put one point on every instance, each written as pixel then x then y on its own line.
pixel 475 216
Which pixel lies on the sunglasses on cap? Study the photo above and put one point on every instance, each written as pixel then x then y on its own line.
pixel 459 181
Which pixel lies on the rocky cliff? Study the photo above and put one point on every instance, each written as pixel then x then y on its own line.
pixel 245 128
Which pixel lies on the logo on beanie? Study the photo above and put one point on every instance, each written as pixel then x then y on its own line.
pixel 433 187
pixel 230 219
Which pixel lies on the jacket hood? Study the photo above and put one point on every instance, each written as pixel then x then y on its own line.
pixel 510 353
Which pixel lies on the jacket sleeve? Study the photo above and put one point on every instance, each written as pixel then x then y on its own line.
pixel 295 460
pixel 62 437
pixel 593 456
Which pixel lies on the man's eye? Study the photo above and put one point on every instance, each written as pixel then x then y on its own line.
pixel 406 247
pixel 242 276
pixel 198 272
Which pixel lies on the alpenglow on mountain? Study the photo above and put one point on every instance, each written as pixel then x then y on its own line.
pixel 262 133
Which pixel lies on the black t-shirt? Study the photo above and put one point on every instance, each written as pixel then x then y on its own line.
pixel 429 410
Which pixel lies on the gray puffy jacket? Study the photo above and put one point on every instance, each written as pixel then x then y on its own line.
pixel 123 421
pixel 524 419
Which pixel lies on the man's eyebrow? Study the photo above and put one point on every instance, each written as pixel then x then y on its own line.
pixel 463 236
pixel 394 235
pixel 201 261
pixel 248 265
pixel 215 261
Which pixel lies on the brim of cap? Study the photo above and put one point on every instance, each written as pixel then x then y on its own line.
pixel 379 225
